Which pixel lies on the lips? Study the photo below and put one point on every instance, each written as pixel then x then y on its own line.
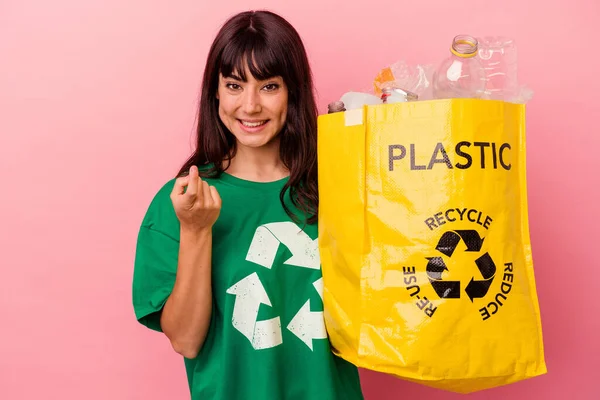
pixel 253 124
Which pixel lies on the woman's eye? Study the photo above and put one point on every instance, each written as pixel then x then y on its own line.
pixel 233 86
pixel 271 86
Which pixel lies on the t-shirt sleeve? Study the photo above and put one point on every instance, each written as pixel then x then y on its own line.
pixel 156 256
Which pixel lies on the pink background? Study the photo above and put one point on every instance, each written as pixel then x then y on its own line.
pixel 97 104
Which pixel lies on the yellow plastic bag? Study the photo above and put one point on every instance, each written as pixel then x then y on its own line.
pixel 424 242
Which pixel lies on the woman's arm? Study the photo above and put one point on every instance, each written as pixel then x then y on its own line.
pixel 186 315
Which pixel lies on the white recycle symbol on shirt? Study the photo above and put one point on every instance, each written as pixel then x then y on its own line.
pixel 250 292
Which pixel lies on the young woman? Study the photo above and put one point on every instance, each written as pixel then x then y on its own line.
pixel 227 262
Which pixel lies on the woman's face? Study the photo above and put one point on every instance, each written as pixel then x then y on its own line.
pixel 253 111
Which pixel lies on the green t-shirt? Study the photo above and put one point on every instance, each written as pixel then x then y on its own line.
pixel 267 338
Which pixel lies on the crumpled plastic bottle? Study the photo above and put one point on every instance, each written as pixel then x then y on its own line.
pixel 413 78
pixel 498 56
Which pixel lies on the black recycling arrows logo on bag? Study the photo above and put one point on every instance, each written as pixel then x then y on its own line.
pixel 478 286
pixel 454 273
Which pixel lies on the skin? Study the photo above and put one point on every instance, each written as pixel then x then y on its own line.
pixel 254 101
pixel 186 315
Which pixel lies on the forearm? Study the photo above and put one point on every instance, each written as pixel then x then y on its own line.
pixel 186 315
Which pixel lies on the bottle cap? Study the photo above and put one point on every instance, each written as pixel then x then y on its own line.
pixel 336 106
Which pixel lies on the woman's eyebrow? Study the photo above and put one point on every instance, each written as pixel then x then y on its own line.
pixel 233 76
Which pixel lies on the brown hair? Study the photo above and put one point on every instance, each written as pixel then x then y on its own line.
pixel 276 49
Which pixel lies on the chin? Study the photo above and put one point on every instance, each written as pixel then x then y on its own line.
pixel 254 142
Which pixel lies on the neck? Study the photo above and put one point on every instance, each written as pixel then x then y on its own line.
pixel 261 164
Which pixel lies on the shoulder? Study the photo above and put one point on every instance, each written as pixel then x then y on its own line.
pixel 160 212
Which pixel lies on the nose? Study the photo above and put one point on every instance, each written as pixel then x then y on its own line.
pixel 251 102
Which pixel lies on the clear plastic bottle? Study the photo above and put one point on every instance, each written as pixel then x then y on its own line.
pixel 461 75
pixel 498 56
pixel 391 95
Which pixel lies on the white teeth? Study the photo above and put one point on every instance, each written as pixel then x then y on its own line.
pixel 253 124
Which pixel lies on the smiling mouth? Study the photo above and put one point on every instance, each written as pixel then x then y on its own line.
pixel 253 124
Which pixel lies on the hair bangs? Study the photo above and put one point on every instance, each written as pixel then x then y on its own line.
pixel 251 46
